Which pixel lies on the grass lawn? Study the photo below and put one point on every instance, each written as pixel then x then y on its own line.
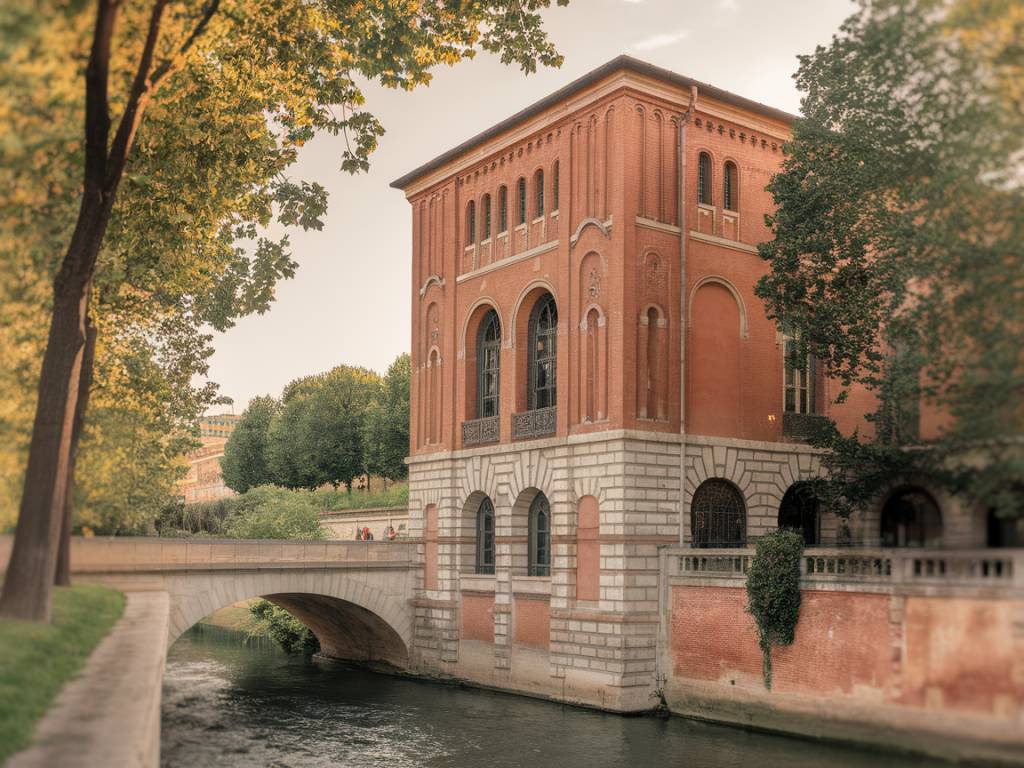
pixel 395 496
pixel 36 660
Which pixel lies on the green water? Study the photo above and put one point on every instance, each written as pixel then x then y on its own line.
pixel 229 705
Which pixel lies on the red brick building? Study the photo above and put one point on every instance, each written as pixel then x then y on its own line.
pixel 593 378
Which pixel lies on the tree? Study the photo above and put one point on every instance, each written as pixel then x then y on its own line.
pixel 243 84
pixel 897 253
pixel 387 423
pixel 246 462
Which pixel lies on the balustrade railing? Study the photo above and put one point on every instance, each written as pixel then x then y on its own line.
pixel 998 569
pixel 535 423
pixel 480 431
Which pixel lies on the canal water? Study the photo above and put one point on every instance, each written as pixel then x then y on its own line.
pixel 230 705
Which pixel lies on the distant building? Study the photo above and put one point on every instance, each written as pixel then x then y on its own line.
pixel 204 481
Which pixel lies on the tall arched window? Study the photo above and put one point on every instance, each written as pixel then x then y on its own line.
pixel 729 189
pixel 487 217
pixel 488 365
pixel 704 178
pixel 540 537
pixel 718 516
pixel 538 192
pixel 543 333
pixel 471 222
pixel 503 209
pixel 799 512
pixel 485 537
pixel 554 188
pixel 911 518
pixel 522 200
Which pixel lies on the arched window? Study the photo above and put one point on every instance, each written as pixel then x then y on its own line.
pixel 488 365
pixel 487 217
pixel 718 516
pixel 538 191
pixel 799 512
pixel 471 222
pixel 911 518
pixel 554 188
pixel 543 332
pixel 503 209
pixel 798 379
pixel 540 537
pixel 485 537
pixel 704 178
pixel 729 189
pixel 522 200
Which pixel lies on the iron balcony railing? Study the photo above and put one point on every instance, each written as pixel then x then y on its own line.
pixel 535 423
pixel 480 431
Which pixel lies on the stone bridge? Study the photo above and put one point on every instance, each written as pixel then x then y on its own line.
pixel 356 596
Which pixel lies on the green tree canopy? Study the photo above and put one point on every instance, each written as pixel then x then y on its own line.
pixel 246 462
pixel 387 423
pixel 898 240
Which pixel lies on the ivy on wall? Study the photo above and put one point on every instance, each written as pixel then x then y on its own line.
pixel 773 592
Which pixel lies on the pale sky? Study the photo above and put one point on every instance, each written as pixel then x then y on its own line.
pixel 349 300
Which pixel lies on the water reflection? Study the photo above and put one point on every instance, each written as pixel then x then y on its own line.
pixel 228 705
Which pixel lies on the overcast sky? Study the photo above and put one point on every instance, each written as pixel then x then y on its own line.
pixel 349 301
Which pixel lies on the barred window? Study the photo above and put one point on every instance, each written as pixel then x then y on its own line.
pixel 729 187
pixel 487 217
pixel 542 370
pixel 488 361
pixel 540 537
pixel 485 537
pixel 704 178
pixel 522 201
pixel 718 516
pixel 538 185
pixel 471 223
pixel 503 209
pixel 798 379
pixel 554 188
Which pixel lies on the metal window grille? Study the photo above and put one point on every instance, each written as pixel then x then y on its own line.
pixel 485 537
pixel 522 201
pixel 540 537
pixel 503 209
pixel 487 217
pixel 471 223
pixel 542 368
pixel 488 361
pixel 704 179
pixel 729 187
pixel 718 516
pixel 554 189
pixel 538 181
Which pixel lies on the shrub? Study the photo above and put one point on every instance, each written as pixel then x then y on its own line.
pixel 268 512
pixel 292 635
pixel 773 592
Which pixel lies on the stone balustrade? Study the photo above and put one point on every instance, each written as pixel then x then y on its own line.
pixel 998 570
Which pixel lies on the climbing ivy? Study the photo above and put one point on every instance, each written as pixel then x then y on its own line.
pixel 773 592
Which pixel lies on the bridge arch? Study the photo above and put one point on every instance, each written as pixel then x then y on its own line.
pixel 351 618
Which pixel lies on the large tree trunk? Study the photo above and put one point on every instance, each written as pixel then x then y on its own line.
pixel 63 575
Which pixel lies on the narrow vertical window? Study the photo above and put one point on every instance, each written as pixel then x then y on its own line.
pixel 540 537
pixel 487 217
pixel 471 223
pixel 798 389
pixel 554 188
pixel 488 361
pixel 522 201
pixel 538 183
pixel 503 209
pixel 729 187
pixel 485 537
pixel 543 334
pixel 704 179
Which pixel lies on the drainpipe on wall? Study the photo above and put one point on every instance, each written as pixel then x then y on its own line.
pixel 681 219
